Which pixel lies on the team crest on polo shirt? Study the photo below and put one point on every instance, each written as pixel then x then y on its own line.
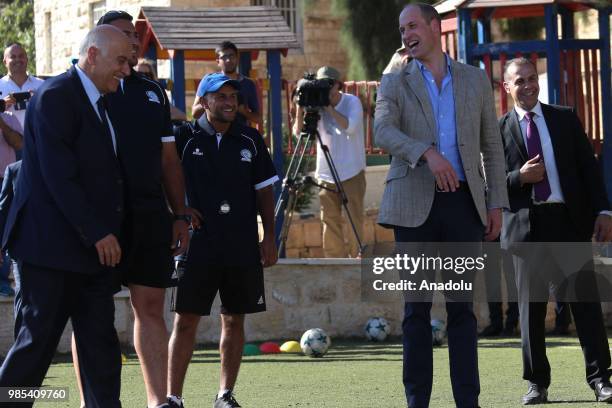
pixel 152 97
pixel 197 152
pixel 246 155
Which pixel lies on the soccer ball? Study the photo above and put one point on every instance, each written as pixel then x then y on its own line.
pixel 377 329
pixel 315 342
pixel 438 332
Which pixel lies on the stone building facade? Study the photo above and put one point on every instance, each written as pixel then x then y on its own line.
pixel 60 25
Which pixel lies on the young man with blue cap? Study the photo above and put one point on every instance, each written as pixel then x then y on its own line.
pixel 229 177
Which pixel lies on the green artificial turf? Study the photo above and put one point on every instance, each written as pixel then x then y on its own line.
pixel 353 374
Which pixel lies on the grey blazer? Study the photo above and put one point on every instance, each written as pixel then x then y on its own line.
pixel 404 126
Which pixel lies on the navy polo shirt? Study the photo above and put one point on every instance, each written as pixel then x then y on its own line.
pixel 222 175
pixel 140 112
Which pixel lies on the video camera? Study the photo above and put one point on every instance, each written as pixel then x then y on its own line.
pixel 313 93
pixel 21 99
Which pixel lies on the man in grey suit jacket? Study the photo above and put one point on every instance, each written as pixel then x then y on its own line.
pixel 436 118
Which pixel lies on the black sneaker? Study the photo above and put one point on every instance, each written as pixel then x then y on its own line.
pixel 227 400
pixel 175 402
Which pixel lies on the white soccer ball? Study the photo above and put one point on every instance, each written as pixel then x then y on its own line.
pixel 377 329
pixel 438 332
pixel 315 342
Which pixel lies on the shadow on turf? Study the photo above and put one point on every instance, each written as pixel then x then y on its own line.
pixel 552 402
pixel 517 344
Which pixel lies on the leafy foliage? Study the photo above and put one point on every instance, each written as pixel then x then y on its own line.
pixel 17 25
pixel 369 34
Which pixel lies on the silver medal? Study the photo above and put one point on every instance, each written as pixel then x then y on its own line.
pixel 224 208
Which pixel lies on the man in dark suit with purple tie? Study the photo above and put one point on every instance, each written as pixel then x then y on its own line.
pixel 556 195
pixel 63 224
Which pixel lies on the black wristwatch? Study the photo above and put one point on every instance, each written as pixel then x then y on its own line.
pixel 182 217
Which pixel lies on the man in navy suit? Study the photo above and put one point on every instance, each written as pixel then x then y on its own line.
pixel 63 223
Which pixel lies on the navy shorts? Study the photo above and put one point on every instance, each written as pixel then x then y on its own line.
pixel 241 289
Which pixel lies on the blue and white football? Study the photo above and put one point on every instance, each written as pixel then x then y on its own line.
pixel 315 343
pixel 377 329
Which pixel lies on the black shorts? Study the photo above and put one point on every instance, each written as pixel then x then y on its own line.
pixel 146 254
pixel 241 289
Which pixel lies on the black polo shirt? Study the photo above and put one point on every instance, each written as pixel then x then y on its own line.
pixel 222 175
pixel 140 112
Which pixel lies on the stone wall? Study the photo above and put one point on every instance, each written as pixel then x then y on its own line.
pixel 69 22
pixel 305 239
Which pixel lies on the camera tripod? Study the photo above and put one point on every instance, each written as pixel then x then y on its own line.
pixel 292 184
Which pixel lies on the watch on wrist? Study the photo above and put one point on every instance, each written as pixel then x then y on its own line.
pixel 182 217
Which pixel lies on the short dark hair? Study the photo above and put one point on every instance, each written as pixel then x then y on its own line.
pixel 113 15
pixel 225 45
pixel 518 61
pixel 428 12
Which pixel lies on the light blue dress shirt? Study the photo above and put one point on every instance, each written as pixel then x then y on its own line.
pixel 443 105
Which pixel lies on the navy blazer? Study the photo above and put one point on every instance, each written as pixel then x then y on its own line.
pixel 579 174
pixel 70 190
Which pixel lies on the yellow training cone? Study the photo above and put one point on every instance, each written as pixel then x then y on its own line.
pixel 291 347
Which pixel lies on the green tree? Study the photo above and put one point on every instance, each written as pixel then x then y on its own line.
pixel 17 25
pixel 369 34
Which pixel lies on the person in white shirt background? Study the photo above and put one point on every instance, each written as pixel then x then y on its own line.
pixel 341 129
pixel 17 80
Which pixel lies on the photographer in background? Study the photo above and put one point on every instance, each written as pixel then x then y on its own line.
pixel 341 130
pixel 17 84
pixel 11 139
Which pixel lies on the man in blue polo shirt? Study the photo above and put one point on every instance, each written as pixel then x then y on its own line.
pixel 229 177
pixel 152 235
pixel 248 103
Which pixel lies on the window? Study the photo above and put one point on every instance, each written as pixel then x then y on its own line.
pixel 289 9
pixel 97 10
pixel 48 69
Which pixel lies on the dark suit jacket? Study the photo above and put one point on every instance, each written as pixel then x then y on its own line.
pixel 579 175
pixel 69 193
pixel 9 184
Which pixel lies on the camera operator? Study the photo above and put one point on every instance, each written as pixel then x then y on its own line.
pixel 17 81
pixel 341 130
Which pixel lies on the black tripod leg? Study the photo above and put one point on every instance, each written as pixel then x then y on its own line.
pixel 340 188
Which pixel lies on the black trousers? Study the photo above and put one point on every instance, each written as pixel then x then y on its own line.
pixel 453 218
pixel 551 223
pixel 46 299
pixel 493 285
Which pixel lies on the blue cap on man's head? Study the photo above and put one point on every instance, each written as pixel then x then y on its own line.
pixel 214 82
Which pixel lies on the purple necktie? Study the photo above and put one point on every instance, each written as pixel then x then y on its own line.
pixel 534 147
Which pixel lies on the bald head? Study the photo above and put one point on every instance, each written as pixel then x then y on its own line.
pixel 100 37
pixel 104 55
pixel 15 59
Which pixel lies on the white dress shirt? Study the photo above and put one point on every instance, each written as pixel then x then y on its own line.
pixel 8 86
pixel 556 195
pixel 93 94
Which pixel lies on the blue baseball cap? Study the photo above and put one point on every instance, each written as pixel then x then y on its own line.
pixel 214 82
